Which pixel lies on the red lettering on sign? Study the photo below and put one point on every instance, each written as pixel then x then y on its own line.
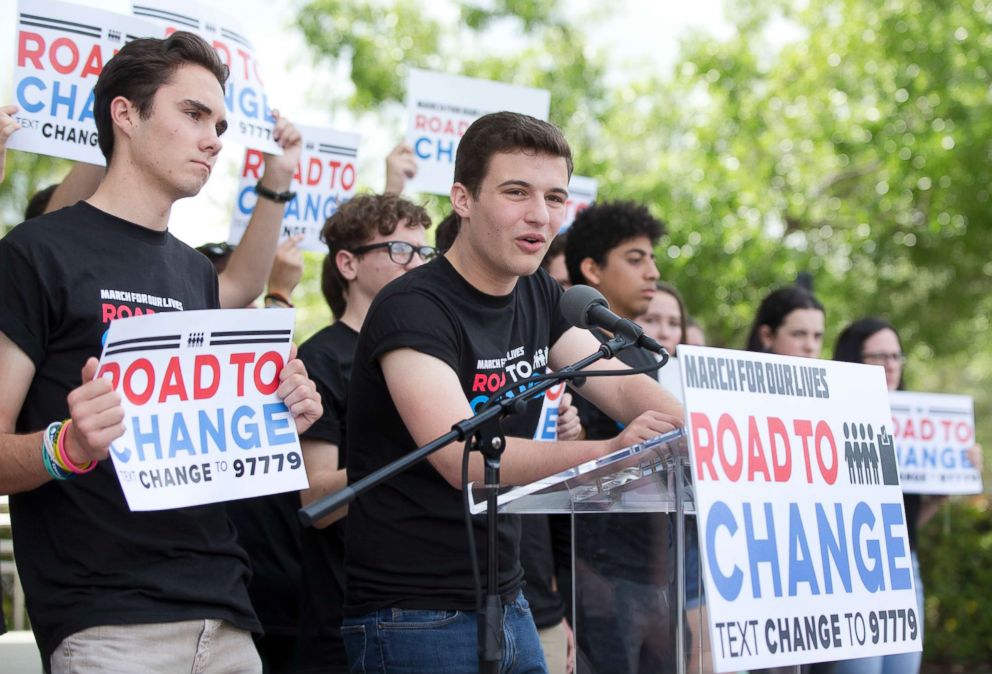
pixel 200 363
pixel 254 162
pixel 173 384
pixel 30 47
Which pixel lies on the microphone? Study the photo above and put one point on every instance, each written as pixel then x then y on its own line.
pixel 586 308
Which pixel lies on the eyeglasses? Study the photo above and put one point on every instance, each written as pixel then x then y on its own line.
pixel 883 358
pixel 400 252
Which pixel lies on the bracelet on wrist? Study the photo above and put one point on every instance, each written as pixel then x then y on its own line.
pixel 62 453
pixel 278 298
pixel 278 197
pixel 48 453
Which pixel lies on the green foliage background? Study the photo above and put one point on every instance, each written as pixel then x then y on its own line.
pixel 859 151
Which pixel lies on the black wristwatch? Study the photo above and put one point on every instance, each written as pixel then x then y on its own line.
pixel 278 197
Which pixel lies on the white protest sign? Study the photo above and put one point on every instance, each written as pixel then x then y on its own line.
pixel 804 551
pixel 547 423
pixel 248 113
pixel 61 49
pixel 933 434
pixel 325 178
pixel 581 194
pixel 202 419
pixel 441 107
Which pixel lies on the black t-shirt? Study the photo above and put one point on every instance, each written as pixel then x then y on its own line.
pixel 84 558
pixel 329 356
pixel 629 545
pixel 269 530
pixel 546 557
pixel 406 539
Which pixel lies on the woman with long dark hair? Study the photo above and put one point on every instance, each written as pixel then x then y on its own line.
pixel 874 341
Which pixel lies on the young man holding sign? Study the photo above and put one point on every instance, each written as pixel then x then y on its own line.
pixel 109 589
pixel 436 344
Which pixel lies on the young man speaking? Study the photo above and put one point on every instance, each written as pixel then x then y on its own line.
pixel 436 344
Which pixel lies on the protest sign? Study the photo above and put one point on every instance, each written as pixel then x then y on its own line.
pixel 581 194
pixel 933 434
pixel 248 113
pixel 61 49
pixel 325 178
pixel 802 529
pixel 547 423
pixel 202 419
pixel 441 107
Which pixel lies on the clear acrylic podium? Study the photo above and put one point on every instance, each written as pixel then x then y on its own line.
pixel 632 547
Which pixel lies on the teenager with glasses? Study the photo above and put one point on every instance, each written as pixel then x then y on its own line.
pixel 400 252
pixel 875 342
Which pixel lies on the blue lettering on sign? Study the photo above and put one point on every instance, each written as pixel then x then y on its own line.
pixel 872 577
pixel 841 537
pixel 248 103
pixel 432 149
pixel 58 99
pixel 934 457
pixel 800 560
pixel 180 439
pixel 892 517
pixel 156 438
pixel 719 517
pixel 277 430
pixel 548 427
pixel 762 550
pixel 22 101
pixel 833 548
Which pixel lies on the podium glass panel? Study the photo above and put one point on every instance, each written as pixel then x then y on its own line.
pixel 634 594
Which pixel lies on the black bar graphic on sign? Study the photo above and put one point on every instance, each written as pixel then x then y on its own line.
pixel 150 347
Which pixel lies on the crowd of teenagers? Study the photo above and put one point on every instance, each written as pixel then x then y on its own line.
pixel 386 584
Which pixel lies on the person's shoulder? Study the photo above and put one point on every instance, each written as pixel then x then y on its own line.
pixel 330 341
pixel 43 227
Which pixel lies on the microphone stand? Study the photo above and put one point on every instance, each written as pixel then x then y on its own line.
pixel 486 437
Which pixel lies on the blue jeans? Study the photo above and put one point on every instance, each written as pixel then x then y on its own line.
pixel 413 641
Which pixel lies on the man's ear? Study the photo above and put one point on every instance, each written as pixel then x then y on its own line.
pixel 460 198
pixel 346 262
pixel 591 271
pixel 124 115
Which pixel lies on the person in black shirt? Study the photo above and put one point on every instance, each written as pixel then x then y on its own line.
pixel 611 248
pixel 371 240
pixel 436 344
pixel 109 589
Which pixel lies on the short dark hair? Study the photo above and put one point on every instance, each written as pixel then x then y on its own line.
pixel 505 132
pixel 602 227
pixel 140 68
pixel 556 248
pixel 447 231
pixel 851 341
pixel 775 307
pixel 356 222
pixel 39 202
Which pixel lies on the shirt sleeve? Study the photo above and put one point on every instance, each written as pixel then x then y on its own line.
pixel 326 376
pixel 409 320
pixel 25 305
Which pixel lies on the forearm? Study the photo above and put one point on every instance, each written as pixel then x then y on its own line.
pixel 251 261
pixel 322 483
pixel 22 466
pixel 79 184
pixel 637 394
pixel 523 461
